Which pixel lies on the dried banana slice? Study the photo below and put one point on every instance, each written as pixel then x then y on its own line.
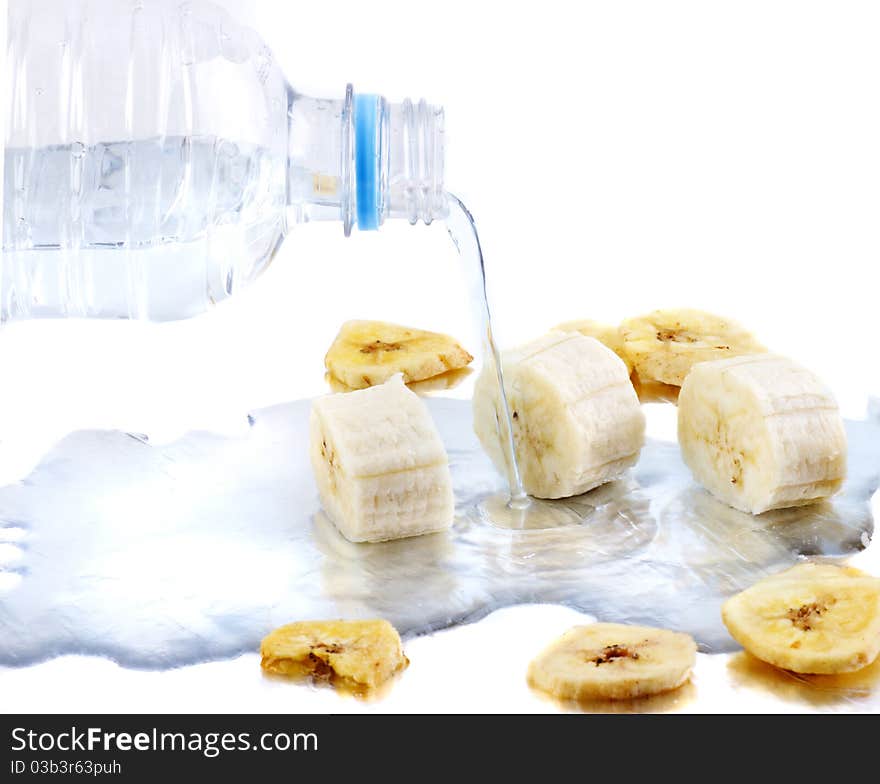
pixel 664 345
pixel 613 661
pixel 355 656
pixel 366 353
pixel 812 619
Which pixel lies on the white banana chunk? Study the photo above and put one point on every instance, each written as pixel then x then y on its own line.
pixel 760 432
pixel 606 334
pixel 576 419
pixel 380 466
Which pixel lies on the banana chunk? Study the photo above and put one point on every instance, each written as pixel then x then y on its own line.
pixel 380 466
pixel 613 661
pixel 366 353
pixel 576 419
pixel 606 334
pixel 761 433
pixel 354 656
pixel 664 345
pixel 812 619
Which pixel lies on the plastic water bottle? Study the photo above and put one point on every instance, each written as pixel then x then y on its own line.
pixel 156 157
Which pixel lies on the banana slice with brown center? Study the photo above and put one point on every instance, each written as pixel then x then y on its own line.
pixel 367 353
pixel 664 345
pixel 355 656
pixel 812 619
pixel 613 661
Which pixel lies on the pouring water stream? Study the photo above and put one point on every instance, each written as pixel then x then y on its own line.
pixel 515 510
pixel 463 231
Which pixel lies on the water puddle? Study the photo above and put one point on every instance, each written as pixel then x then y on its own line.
pixel 167 555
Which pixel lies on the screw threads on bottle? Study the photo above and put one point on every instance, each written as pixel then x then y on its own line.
pixel 412 145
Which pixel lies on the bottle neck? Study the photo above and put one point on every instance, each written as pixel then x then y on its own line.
pixel 363 160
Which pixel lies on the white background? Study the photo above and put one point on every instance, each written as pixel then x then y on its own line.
pixel 617 156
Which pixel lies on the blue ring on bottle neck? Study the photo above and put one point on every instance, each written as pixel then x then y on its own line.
pixel 366 160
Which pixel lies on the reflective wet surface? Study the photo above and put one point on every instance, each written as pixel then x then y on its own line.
pixel 167 555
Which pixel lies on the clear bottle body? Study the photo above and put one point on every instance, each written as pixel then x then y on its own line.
pixel 156 157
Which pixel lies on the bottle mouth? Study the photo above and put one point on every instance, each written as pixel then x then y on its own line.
pixel 398 154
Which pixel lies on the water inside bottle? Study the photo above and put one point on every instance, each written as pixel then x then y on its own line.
pixel 154 228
